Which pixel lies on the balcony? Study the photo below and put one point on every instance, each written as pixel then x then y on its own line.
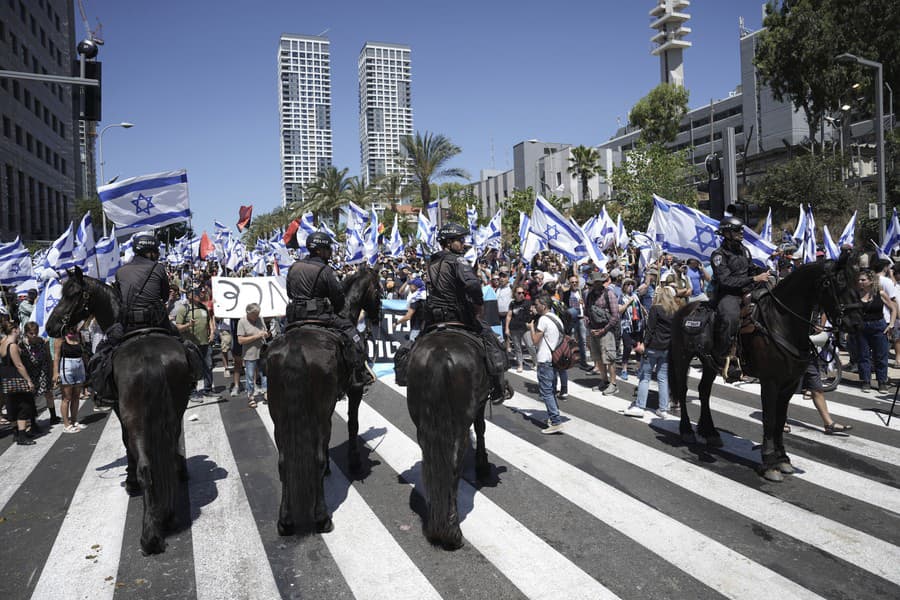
pixel 661 37
pixel 661 7
pixel 670 45
pixel 673 17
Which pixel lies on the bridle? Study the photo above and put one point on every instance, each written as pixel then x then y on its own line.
pixel 84 305
pixel 829 283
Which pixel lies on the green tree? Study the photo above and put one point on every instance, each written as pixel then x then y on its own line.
pixel 586 209
pixel 426 157
pixel 264 225
pixel 650 169
pixel 326 194
pixel 389 189
pixel 585 163
pixel 795 52
pixel 360 193
pixel 659 113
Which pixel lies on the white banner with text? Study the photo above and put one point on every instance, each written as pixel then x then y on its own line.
pixel 231 295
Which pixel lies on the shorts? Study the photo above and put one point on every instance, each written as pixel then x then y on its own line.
pixel 236 349
pixel 71 371
pixel 603 348
pixel 225 340
pixel 812 380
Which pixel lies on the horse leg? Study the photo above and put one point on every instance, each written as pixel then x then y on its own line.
pixel 772 427
pixel 442 482
pixel 783 461
pixel 678 369
pixel 285 523
pixel 354 397
pixel 324 523
pixel 152 538
pixel 705 426
pixel 132 487
pixel 482 467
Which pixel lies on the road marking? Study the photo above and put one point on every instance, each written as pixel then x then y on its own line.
pixel 530 563
pixel 230 561
pixel 18 462
pixel 863 550
pixel 89 541
pixel 383 571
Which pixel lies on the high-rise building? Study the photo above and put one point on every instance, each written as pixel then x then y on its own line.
pixel 39 159
pixel 304 108
pixel 385 108
pixel 668 19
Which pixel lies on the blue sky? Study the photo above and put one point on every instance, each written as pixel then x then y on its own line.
pixel 198 78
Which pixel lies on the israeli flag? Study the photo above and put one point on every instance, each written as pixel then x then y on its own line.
pixel 489 236
pixel 128 252
pixel 281 255
pixel 15 263
pixel 323 226
pixel 236 256
pixel 472 218
pixel 426 231
pixel 621 234
pixel 832 251
pixel 524 223
pixel 808 246
pixel 147 202
pixel 83 252
pixel 60 257
pixel 355 247
pixel 371 241
pixel 607 229
pixel 220 230
pixel 395 245
pixel 891 237
pixel 432 210
pixel 108 259
pixel 357 217
pixel 46 302
pixel 801 226
pixel 558 232
pixel 766 233
pixel 849 233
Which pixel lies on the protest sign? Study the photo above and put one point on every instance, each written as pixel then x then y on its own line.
pixel 231 295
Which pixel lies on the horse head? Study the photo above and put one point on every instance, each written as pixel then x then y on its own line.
pixel 363 291
pixel 839 295
pixel 73 304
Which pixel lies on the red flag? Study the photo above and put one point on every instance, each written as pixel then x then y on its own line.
pixel 290 236
pixel 244 215
pixel 206 246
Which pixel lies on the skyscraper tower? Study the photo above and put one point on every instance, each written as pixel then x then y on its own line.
pixel 668 19
pixel 385 107
pixel 304 109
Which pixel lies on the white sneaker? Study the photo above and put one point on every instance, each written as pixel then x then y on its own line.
pixel 79 426
pixel 634 411
pixel 234 391
pixel 611 390
pixel 552 429
pixel 663 414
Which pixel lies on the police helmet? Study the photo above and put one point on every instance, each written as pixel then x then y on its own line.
pixel 730 224
pixel 144 243
pixel 318 239
pixel 451 231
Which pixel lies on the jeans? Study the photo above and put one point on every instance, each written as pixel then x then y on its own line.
pixel 660 360
pixel 872 339
pixel 546 375
pixel 250 369
pixel 517 338
pixel 206 353
pixel 563 377
pixel 580 332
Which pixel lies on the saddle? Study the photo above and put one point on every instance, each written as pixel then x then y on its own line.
pixel 345 343
pixel 495 359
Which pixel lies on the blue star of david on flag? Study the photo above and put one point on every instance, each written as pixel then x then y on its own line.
pixel 705 238
pixel 15 269
pixel 52 302
pixel 552 232
pixel 147 202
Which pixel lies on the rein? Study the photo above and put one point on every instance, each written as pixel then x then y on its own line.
pixel 829 283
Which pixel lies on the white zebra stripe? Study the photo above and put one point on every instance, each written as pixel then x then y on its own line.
pixel 383 571
pixel 93 527
pixel 532 565
pixel 17 462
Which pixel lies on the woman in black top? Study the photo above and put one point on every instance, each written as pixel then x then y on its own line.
pixel 873 344
pixel 516 324
pixel 657 338
pixel 17 385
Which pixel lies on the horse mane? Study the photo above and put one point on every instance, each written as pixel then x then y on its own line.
pixel 357 285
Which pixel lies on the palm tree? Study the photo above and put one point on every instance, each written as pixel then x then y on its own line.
pixel 585 163
pixel 360 193
pixel 390 189
pixel 327 193
pixel 426 157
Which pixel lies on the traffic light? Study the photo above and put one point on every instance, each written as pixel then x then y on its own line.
pixel 716 187
pixel 749 213
pixel 90 106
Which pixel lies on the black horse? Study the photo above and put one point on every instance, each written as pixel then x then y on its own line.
pixel 777 353
pixel 447 392
pixel 154 382
pixel 307 375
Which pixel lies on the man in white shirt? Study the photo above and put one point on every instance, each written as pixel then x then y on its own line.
pixel 504 297
pixel 546 336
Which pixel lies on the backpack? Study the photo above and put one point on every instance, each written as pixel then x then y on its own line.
pixel 566 353
pixel 564 316
pixel 599 316
pixel 698 330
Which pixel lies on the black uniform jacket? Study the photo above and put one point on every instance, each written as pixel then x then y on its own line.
pixel 452 286
pixel 312 278
pixel 733 272
pixel 131 277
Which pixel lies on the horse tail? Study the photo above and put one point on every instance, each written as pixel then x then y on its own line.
pixel 679 355
pixel 157 460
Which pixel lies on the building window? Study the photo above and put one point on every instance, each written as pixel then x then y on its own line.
pixel 7 127
pixel 29 142
pixel 18 135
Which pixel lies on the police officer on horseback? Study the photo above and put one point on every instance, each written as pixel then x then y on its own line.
pixel 144 286
pixel 734 274
pixel 316 296
pixel 455 296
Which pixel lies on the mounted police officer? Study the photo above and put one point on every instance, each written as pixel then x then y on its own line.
pixel 454 295
pixel 734 275
pixel 144 286
pixel 317 295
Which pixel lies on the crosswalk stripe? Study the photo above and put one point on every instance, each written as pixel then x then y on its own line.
pixel 383 571
pixel 531 564
pixel 229 558
pixel 85 556
pixel 18 462
pixel 815 472
pixel 705 559
pixel 865 551
pixel 834 407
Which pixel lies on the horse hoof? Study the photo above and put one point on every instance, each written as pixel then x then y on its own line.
pixel 714 441
pixel 325 526
pixel 285 529
pixel 155 545
pixel 689 438
pixel 133 488
pixel 773 475
pixel 785 467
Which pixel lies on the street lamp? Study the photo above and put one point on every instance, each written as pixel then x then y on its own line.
pixel 126 125
pixel 879 128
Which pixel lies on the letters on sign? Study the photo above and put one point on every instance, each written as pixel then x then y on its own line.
pixel 231 295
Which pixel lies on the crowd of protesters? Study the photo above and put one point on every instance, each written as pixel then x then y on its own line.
pixel 619 315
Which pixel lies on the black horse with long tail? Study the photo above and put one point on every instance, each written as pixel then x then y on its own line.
pixel 777 352
pixel 154 381
pixel 308 373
